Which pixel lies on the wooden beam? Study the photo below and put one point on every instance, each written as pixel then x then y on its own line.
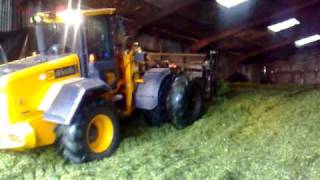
pixel 160 30
pixel 281 44
pixel 216 37
pixel 172 8
pixel 265 50
pixel 179 36
pixel 309 27
pixel 178 54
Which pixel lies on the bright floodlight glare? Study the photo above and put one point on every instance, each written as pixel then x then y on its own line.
pixel 284 25
pixel 307 40
pixel 71 17
pixel 37 19
pixel 230 3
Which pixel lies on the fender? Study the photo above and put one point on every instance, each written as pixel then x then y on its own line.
pixel 146 97
pixel 64 98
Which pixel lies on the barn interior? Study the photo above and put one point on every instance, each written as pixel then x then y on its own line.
pixel 240 34
pixel 263 122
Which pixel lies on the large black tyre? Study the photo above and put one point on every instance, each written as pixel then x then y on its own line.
pixel 185 102
pixel 93 135
pixel 159 115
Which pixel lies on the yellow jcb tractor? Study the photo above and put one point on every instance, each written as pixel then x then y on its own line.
pixel 84 78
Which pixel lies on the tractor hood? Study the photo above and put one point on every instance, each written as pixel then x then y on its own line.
pixel 23 85
pixel 27 62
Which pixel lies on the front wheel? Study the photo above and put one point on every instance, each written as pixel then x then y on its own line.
pixel 93 135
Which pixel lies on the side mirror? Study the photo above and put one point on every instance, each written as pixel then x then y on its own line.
pixel 139 57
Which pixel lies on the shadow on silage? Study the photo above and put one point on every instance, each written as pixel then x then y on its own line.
pixel 132 126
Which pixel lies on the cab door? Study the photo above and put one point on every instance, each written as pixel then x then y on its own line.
pixel 100 47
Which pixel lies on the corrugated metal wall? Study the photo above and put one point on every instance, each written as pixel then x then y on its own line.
pixel 15 33
pixel 301 68
pixel 6 9
pixel 14 16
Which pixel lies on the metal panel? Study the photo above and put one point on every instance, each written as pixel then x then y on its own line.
pixel 15 16
pixel 146 97
pixel 6 15
pixel 3 57
pixel 25 63
pixel 65 105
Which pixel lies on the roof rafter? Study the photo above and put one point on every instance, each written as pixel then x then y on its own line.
pixel 281 44
pixel 216 37
pixel 172 8
pixel 135 31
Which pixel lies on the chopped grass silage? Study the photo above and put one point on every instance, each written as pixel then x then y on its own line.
pixel 252 134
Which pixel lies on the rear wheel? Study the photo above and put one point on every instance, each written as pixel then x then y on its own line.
pixel 195 102
pixel 185 102
pixel 159 114
pixel 93 134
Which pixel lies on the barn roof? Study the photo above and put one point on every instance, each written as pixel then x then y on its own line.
pixel 240 32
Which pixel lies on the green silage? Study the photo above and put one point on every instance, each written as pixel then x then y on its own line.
pixel 249 134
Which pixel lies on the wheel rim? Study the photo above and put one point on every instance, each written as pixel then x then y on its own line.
pixel 100 133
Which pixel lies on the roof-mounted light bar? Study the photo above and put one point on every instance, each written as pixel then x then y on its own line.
pixel 71 16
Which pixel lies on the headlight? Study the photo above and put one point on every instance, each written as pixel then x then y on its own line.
pixel 17 136
pixel 4 114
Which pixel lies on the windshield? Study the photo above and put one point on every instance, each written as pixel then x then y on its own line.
pixel 56 38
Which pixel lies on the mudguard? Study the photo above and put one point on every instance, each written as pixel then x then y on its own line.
pixel 63 99
pixel 146 97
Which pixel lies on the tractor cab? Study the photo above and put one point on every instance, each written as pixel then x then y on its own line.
pixel 88 33
pixel 98 38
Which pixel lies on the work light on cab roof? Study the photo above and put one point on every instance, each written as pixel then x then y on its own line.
pixel 70 16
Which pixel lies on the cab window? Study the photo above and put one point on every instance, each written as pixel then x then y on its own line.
pixel 99 38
